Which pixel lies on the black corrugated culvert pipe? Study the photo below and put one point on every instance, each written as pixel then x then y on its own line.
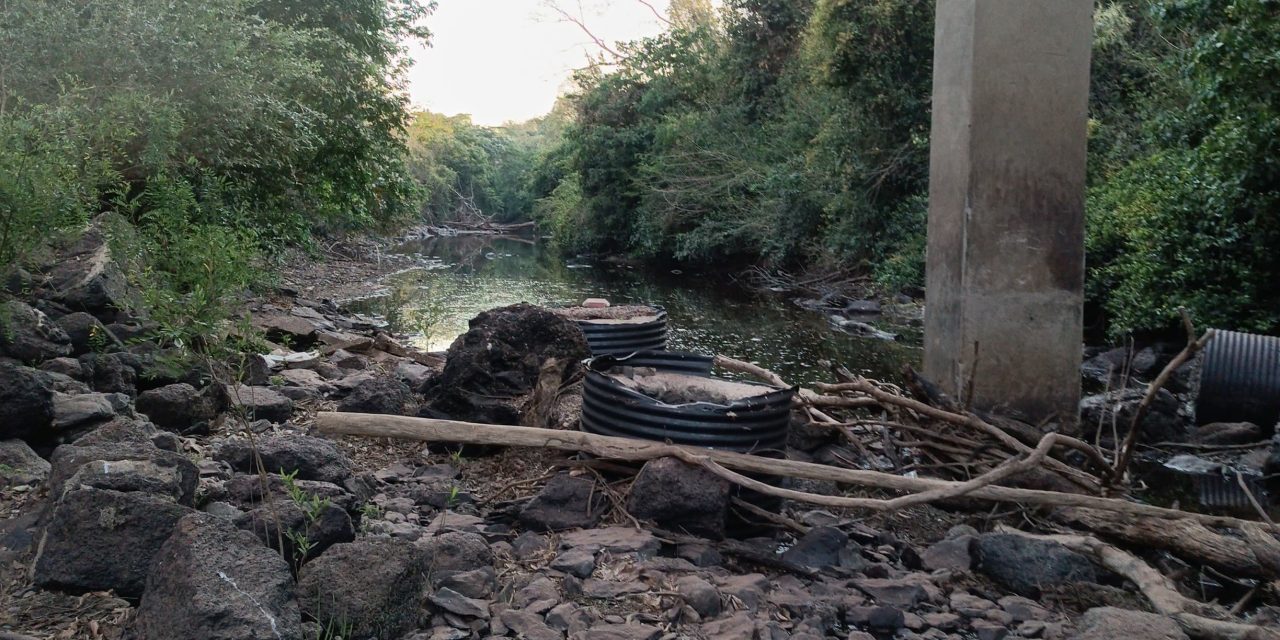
pixel 672 397
pixel 621 330
pixel 1240 380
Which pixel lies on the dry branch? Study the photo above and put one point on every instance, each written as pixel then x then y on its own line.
pixel 614 448
pixel 1193 347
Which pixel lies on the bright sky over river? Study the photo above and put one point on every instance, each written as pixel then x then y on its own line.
pixel 507 60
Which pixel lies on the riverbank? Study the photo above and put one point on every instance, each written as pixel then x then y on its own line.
pixel 241 519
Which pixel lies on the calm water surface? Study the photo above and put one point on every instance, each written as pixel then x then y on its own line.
pixel 459 277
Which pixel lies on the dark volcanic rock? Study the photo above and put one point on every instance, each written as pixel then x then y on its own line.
pixel 565 502
pixel 111 372
pixel 177 407
pixel 384 395
pixel 1027 566
pixel 87 334
pixel 85 278
pixel 822 547
pixel 312 458
pixel 260 403
pixel 99 539
pixel 28 335
pixel 501 356
pixel 26 403
pixel 20 465
pixel 680 496
pixel 1162 424
pixel 453 553
pixel 326 526
pixel 212 582
pixel 372 586
pixel 164 468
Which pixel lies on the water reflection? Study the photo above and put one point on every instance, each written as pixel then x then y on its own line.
pixel 461 276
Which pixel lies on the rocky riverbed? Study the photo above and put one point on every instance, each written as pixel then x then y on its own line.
pixel 143 501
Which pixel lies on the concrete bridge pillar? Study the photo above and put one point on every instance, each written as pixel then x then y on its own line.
pixel 1006 202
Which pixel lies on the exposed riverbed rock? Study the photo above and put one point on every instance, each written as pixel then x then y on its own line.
pixel 28 335
pixel 1027 566
pixel 99 539
pixel 26 403
pixel 84 277
pixel 20 465
pixel 501 356
pixel 1162 423
pixel 213 582
pixel 87 333
pixel 178 407
pixel 372 585
pixel 383 395
pixel 565 502
pixel 311 458
pixel 165 472
pixel 679 497
pixel 260 403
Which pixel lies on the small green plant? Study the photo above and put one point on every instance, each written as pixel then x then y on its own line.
pixel 368 513
pixel 457 457
pixel 312 509
pixel 98 339
pixel 276 380
pixel 453 496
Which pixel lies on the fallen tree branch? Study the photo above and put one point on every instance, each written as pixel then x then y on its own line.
pixel 1254 553
pixel 615 448
pixel 1198 619
pixel 1193 347
pixel 971 421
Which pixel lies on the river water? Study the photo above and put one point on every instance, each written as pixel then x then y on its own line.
pixel 459 277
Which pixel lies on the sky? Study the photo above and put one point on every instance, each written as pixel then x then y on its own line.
pixel 507 60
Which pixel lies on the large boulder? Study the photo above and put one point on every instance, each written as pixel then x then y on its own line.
pixel 111 372
pixel 565 502
pixel 1026 566
pixel 99 539
pixel 85 410
pixel 260 403
pixel 383 395
pixel 178 407
pixel 681 497
pixel 20 465
pixel 213 582
pixel 311 458
pixel 88 334
pixel 306 530
pixel 372 586
pixel 501 356
pixel 85 278
pixel 26 403
pixel 124 466
pixel 28 335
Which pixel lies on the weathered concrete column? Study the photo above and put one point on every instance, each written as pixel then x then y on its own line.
pixel 1006 202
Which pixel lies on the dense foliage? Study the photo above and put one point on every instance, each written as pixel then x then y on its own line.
pixel 469 172
pixel 797 133
pixel 215 127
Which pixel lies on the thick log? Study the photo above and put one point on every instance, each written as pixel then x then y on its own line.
pixel 608 447
pixel 1254 554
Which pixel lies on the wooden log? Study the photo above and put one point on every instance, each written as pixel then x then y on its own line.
pixel 614 448
pixel 1254 554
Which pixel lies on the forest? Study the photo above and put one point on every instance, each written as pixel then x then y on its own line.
pixel 779 133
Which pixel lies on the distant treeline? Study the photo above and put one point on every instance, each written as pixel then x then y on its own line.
pixel 796 132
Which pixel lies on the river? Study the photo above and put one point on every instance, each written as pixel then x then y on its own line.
pixel 456 278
